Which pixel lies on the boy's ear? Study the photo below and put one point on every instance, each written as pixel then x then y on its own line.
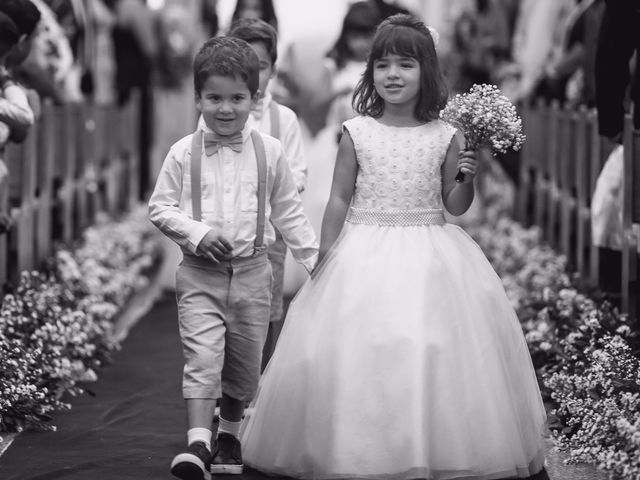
pixel 197 99
pixel 256 96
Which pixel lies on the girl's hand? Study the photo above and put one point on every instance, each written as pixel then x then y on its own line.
pixel 468 164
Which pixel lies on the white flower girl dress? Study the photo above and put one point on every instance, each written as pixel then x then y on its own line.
pixel 401 357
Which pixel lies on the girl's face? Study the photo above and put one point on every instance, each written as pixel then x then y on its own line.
pixel 251 9
pixel 397 79
pixel 359 44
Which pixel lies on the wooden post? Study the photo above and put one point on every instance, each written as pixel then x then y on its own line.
pixel 566 173
pixel 542 159
pixel 629 236
pixel 45 167
pixel 23 215
pixel 68 191
pixel 528 161
pixel 554 134
pixel 595 165
pixel 131 146
pixel 583 215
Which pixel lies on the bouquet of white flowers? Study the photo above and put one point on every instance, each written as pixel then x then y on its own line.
pixel 486 118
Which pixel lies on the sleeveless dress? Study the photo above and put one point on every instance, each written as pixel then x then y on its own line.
pixel 401 357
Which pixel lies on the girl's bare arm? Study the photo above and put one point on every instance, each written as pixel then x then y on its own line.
pixel 344 181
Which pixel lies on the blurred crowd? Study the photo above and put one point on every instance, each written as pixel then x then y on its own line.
pixel 579 52
pixel 99 51
pixel 575 51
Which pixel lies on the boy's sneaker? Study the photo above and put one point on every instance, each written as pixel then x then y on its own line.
pixel 194 464
pixel 227 455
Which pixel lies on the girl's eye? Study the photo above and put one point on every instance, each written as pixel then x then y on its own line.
pixel 238 98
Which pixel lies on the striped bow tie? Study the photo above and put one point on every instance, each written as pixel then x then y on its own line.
pixel 213 141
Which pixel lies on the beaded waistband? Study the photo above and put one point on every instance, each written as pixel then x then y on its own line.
pixel 396 218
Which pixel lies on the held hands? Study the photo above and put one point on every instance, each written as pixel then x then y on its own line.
pixel 467 166
pixel 214 247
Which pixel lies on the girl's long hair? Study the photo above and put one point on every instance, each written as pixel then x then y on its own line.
pixel 361 17
pixel 406 36
pixel 268 13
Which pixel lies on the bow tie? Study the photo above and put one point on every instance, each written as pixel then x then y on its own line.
pixel 213 141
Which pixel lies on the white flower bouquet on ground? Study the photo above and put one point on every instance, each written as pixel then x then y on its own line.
pixel 486 118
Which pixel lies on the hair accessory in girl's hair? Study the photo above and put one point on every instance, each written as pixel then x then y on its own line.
pixel 434 35
pixel 486 118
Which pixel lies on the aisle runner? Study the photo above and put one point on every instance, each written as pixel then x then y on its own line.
pixel 131 428
pixel 133 425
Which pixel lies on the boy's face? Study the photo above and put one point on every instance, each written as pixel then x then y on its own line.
pixel 225 104
pixel 267 69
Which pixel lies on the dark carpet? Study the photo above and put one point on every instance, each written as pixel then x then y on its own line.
pixel 131 427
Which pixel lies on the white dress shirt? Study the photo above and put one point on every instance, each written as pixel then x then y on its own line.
pixel 290 136
pixel 229 199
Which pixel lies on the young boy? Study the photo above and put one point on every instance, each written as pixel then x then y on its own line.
pixel 217 201
pixel 282 123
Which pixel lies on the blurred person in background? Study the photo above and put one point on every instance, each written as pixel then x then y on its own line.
pixel 345 62
pixel 481 39
pixel 539 26
pixel 617 85
pixel 44 62
pixel 209 17
pixel 15 114
pixel 136 52
pixel 176 44
pixel 262 9
pixel 569 76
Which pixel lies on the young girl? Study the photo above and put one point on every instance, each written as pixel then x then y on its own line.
pixel 402 357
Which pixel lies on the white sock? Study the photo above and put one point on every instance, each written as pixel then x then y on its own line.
pixel 199 435
pixel 232 428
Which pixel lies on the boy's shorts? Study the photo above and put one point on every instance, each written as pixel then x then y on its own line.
pixel 223 310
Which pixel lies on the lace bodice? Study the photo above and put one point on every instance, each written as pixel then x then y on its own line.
pixel 399 167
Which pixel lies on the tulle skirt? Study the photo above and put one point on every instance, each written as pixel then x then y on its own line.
pixel 401 358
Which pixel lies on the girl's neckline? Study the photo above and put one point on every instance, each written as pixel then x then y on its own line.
pixel 400 126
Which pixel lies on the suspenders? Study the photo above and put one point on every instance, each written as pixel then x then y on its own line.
pixel 196 182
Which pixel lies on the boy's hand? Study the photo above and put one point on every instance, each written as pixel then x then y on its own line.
pixel 468 164
pixel 215 247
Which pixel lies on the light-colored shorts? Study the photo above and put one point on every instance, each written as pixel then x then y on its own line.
pixel 223 310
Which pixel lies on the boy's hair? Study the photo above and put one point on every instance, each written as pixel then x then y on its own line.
pixel 362 17
pixel 227 57
pixel 406 36
pixel 9 34
pixel 24 14
pixel 254 30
